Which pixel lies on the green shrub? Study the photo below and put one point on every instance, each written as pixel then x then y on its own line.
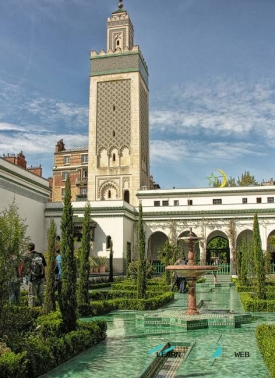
pixel 34 353
pixel 102 307
pixel 253 304
pixel 13 365
pixel 265 334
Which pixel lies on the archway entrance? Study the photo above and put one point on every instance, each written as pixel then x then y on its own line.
pixel 217 250
pixel 155 241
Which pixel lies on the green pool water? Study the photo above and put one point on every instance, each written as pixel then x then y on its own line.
pixel 125 351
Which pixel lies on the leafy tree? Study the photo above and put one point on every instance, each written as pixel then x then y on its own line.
pixel 229 182
pixel 50 304
pixel 111 266
pixel 168 254
pixel 84 269
pixel 247 180
pixel 13 241
pixel 133 270
pixel 258 259
pixel 141 275
pixel 68 289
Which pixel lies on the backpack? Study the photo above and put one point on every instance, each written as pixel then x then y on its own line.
pixel 37 267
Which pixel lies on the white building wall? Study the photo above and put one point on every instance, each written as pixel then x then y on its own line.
pixel 30 193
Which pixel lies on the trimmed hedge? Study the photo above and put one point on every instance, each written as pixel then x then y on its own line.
pixel 252 304
pixel 47 347
pixel 132 287
pixel 96 308
pixel 265 334
pixel 99 295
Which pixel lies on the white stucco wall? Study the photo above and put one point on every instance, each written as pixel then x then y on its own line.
pixel 30 193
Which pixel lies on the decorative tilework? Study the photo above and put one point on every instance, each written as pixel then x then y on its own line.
pixel 115 63
pixel 113 115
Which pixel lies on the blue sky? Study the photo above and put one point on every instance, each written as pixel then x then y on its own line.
pixel 212 82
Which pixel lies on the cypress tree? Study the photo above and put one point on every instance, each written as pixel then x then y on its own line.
pixel 259 262
pixel 68 289
pixel 50 304
pixel 111 268
pixel 84 268
pixel 141 274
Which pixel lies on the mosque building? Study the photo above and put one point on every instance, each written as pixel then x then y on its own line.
pixel 113 172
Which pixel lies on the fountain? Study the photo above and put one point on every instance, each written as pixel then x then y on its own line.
pixel 209 316
pixel 191 272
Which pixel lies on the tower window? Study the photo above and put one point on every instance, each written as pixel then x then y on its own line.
pixel 117 42
pixel 114 157
pixel 114 108
pixel 109 194
pixel 217 201
pixel 114 133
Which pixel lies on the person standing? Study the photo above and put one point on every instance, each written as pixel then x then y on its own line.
pixel 183 282
pixel 36 275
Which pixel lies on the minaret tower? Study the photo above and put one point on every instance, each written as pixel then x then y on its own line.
pixel 118 116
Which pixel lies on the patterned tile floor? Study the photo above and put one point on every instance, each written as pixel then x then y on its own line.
pixel 215 352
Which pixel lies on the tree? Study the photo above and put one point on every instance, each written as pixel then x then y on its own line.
pixel 111 267
pixel 259 261
pixel 168 255
pixel 141 275
pixel 13 241
pixel 50 304
pixel 247 180
pixel 84 268
pixel 68 301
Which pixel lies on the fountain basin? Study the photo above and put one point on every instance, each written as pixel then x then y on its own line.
pixel 191 271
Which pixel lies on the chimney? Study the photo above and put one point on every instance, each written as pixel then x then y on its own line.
pixel 60 146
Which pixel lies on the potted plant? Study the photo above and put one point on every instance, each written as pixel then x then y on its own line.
pixel 93 264
pixel 102 263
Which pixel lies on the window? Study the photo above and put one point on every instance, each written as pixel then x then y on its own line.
pixel 126 196
pixel 156 203
pixel 66 160
pixel 176 202
pixel 165 203
pixel 84 159
pixel 108 242
pixel 258 200
pixel 83 191
pixel 270 199
pixel 109 194
pixel 217 201
pixel 189 202
pixel 62 192
pixel 244 200
pixel 84 173
pixel 65 175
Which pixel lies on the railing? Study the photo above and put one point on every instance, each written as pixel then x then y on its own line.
pixel 223 268
pixel 272 269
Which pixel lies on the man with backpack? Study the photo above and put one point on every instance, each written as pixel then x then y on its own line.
pixel 36 263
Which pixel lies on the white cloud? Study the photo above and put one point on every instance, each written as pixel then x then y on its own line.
pixel 181 150
pixel 224 108
pixel 10 127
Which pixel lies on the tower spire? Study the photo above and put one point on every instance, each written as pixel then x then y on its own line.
pixel 120 4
